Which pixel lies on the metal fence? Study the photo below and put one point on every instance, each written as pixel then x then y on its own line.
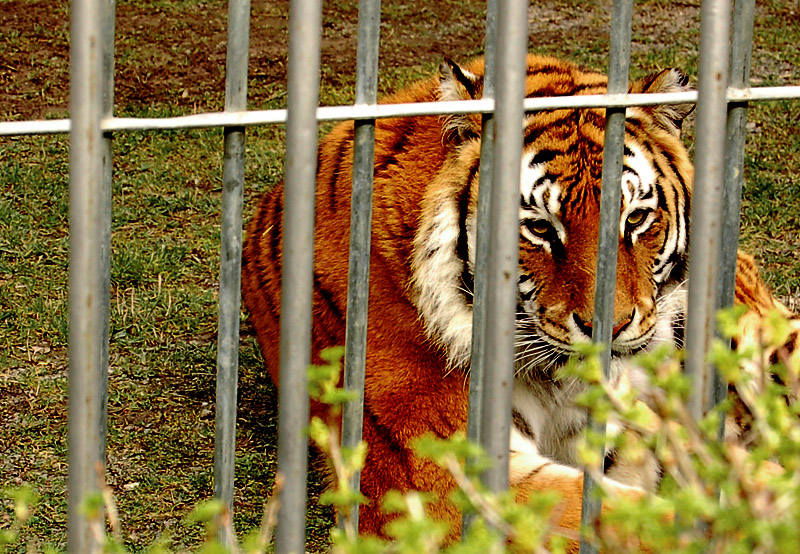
pixel 721 106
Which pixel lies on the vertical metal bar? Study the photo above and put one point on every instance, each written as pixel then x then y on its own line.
pixel 608 235
pixel 477 372
pixel 230 263
pixel 91 100
pixel 305 30
pixel 503 259
pixel 369 14
pixel 704 241
pixel 739 77
pixel 478 361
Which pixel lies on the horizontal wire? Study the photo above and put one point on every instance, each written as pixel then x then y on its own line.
pixel 383 111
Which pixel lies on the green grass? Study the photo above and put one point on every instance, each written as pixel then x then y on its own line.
pixel 772 196
pixel 165 241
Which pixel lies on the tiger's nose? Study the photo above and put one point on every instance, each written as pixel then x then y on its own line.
pixel 586 326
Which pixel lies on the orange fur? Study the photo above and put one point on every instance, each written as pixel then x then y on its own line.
pixel 412 387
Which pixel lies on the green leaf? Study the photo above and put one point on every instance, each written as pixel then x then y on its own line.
pixel 93 505
pixel 7 537
pixel 320 433
pixel 205 511
pixel 342 498
pixel 728 320
pixel 437 449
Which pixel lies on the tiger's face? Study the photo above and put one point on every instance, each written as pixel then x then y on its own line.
pixel 559 219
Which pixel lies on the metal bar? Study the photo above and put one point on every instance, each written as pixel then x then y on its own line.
pixel 478 360
pixel 762 94
pixel 384 111
pixel 477 372
pixel 503 259
pixel 230 265
pixel 91 100
pixel 739 77
pixel 704 241
pixel 105 197
pixel 305 30
pixel 35 127
pixel 369 13
pixel 608 234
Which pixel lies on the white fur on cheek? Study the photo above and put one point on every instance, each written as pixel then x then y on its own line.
pixel 436 275
pixel 638 183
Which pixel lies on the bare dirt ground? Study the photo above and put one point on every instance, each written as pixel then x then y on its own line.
pixel 177 58
pixel 173 54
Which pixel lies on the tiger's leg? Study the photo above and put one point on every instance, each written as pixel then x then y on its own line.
pixel 390 466
pixel 530 473
pixel 408 393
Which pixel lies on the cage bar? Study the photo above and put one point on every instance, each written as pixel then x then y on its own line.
pixel 230 266
pixel 477 371
pixel 384 111
pixel 738 78
pixel 503 258
pixel 360 230
pixel 478 360
pixel 705 225
pixel 608 234
pixel 305 30
pixel 91 99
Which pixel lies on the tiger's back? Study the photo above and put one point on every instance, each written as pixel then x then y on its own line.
pixel 400 178
pixel 398 390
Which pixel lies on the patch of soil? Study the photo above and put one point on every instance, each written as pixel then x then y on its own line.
pixel 176 56
pixel 172 55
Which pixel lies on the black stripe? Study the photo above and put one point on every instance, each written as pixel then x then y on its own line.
pixel 533 131
pixel 274 229
pixel 577 89
pixel 264 263
pixel 634 123
pixel 609 460
pixel 647 195
pixel 661 198
pixel 522 425
pixel 646 145
pixel 657 168
pixel 543 156
pixel 462 246
pixel 327 298
pixel 525 296
pixel 628 169
pixel 341 150
pixel 402 135
pixel 552 177
pixel 539 469
pixel 677 174
pixel 547 70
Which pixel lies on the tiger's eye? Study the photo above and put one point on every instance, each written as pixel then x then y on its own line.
pixel 636 217
pixel 540 227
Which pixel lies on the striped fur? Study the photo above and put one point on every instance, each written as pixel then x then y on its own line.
pixel 423 260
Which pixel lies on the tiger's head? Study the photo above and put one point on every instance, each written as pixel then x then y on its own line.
pixel 559 216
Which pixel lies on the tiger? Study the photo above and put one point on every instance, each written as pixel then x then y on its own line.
pixel 423 260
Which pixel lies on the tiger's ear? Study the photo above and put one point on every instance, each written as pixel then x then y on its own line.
pixel 458 83
pixel 669 80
